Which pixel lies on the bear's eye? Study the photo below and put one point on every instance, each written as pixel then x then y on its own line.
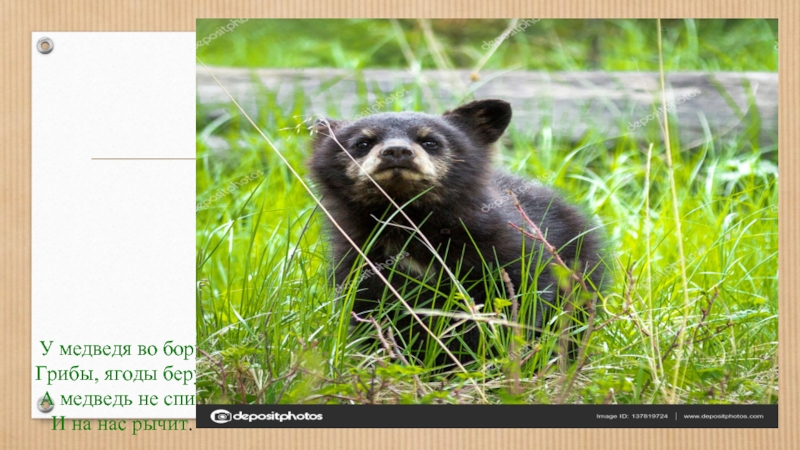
pixel 362 145
pixel 430 145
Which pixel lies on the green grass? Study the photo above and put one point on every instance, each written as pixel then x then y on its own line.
pixel 270 329
pixel 550 44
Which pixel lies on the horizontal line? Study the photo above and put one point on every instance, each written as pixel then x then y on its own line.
pixel 143 159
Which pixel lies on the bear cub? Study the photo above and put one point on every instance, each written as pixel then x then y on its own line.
pixel 439 170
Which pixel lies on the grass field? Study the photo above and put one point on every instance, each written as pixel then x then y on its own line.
pixel 701 328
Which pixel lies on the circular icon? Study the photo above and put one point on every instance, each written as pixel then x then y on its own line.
pixel 44 406
pixel 45 45
pixel 221 416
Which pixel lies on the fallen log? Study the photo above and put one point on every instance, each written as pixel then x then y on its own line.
pixel 566 105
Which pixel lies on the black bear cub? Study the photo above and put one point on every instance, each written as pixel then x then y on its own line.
pixel 438 169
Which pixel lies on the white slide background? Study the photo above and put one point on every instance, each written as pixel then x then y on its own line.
pixel 113 242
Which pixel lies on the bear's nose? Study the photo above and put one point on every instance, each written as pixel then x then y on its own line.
pixel 397 150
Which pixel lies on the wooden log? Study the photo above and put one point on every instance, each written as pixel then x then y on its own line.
pixel 564 104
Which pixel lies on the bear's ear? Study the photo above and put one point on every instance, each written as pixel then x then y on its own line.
pixel 486 120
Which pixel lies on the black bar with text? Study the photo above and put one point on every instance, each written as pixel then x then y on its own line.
pixel 487 416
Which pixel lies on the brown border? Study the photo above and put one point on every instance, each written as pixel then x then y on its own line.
pixel 21 17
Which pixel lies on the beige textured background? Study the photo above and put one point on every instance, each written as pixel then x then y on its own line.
pixel 21 17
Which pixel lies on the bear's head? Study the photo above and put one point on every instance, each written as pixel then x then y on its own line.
pixel 432 158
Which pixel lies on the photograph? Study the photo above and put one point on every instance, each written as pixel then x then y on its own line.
pixel 486 211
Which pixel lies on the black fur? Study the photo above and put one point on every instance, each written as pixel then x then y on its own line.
pixel 465 207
